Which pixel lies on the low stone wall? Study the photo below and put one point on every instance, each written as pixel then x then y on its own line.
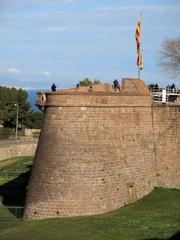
pixel 22 147
pixel 32 132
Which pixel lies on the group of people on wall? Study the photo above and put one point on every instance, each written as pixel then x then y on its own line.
pixel 115 86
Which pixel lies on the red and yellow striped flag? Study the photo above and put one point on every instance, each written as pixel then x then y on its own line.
pixel 138 32
pixel 141 62
pixel 138 41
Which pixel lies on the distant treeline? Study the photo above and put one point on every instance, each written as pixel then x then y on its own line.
pixel 10 99
pixel 153 86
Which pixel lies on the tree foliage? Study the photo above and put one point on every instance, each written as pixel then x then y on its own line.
pixel 169 57
pixel 88 81
pixel 9 98
pixel 153 86
pixel 36 120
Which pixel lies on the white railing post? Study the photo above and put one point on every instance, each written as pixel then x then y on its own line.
pixel 164 96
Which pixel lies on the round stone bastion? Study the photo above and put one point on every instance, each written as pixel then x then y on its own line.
pixel 95 152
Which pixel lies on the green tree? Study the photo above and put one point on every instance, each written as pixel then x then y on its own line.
pixel 36 120
pixel 153 86
pixel 88 81
pixel 8 98
pixel 85 82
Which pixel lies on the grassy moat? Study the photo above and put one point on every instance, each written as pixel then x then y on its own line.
pixel 155 217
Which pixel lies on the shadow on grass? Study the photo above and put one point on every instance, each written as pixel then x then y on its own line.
pixel 176 236
pixel 13 193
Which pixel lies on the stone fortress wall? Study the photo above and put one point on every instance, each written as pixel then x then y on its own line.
pixel 99 151
pixel 20 147
pixel 166 122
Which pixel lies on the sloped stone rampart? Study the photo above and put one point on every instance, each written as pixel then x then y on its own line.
pixel 98 152
pixel 92 159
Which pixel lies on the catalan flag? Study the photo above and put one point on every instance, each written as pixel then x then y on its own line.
pixel 138 32
pixel 139 61
pixel 138 42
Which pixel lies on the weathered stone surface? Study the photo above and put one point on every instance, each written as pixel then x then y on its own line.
pixel 166 120
pixel 134 86
pixel 97 152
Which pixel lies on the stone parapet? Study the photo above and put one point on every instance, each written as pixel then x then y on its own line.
pixel 97 100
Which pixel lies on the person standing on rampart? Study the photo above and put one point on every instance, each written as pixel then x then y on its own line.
pixel 53 87
pixel 90 90
pixel 116 85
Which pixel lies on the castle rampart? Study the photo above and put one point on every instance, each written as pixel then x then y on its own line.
pixel 100 151
pixel 25 147
pixel 166 121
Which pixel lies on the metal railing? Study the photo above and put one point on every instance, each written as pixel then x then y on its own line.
pixel 168 90
pixel 11 212
pixel 172 95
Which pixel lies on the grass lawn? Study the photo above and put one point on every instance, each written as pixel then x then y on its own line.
pixel 155 217
pixel 11 168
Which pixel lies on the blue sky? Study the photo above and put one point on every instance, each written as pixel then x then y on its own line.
pixel 64 41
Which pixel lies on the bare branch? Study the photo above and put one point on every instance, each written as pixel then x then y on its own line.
pixel 169 56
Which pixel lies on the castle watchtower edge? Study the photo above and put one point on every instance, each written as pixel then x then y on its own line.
pixel 99 151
